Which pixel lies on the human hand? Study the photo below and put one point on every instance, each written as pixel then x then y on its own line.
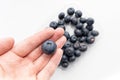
pixel 26 61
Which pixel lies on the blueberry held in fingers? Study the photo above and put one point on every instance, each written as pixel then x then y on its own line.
pixel 49 47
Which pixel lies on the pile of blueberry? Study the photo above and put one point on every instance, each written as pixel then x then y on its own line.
pixel 83 34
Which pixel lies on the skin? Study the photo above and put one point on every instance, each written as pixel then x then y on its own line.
pixel 26 61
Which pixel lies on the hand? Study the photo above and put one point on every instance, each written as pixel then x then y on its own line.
pixel 26 61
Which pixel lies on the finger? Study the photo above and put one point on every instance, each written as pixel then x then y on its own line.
pixel 50 68
pixel 5 45
pixel 42 61
pixel 38 52
pixel 29 44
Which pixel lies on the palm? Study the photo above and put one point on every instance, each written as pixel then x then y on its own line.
pixel 26 61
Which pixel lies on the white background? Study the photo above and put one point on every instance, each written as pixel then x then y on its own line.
pixel 22 18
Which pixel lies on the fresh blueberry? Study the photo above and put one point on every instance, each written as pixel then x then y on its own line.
pixel 69 51
pixel 90 21
pixel 53 24
pixel 77 53
pixel 72 58
pixel 82 39
pixel 49 47
pixel 67 19
pixel 78 14
pixel 79 26
pixel 76 45
pixel 90 39
pixel 85 31
pixel 67 35
pixel 64 59
pixel 62 26
pixel 61 15
pixel 67 44
pixel 78 32
pixel 65 64
pixel 74 21
pixel 60 22
pixel 90 28
pixel 94 33
pixel 70 11
pixel 83 20
pixel 73 38
pixel 83 47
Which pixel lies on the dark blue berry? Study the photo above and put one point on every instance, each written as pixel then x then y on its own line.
pixel 69 51
pixel 85 31
pixel 67 44
pixel 74 21
pixel 78 32
pixel 90 39
pixel 83 47
pixel 73 38
pixel 67 35
pixel 83 20
pixel 90 21
pixel 94 33
pixel 60 22
pixel 76 45
pixel 78 14
pixel 90 28
pixel 82 39
pixel 49 47
pixel 65 64
pixel 77 53
pixel 61 15
pixel 53 24
pixel 72 58
pixel 79 26
pixel 67 19
pixel 70 11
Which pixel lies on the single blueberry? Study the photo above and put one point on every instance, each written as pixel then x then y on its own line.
pixel 83 20
pixel 49 47
pixel 65 64
pixel 78 32
pixel 74 21
pixel 85 31
pixel 83 47
pixel 70 11
pixel 69 51
pixel 94 33
pixel 90 28
pixel 53 24
pixel 72 58
pixel 90 39
pixel 67 19
pixel 67 44
pixel 79 26
pixel 61 15
pixel 76 45
pixel 78 14
pixel 90 21
pixel 73 38
pixel 77 53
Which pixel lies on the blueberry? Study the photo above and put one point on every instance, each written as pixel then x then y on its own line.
pixel 83 47
pixel 73 38
pixel 76 45
pixel 85 31
pixel 60 22
pixel 78 32
pixel 83 20
pixel 65 64
pixel 67 44
pixel 79 26
pixel 72 58
pixel 78 14
pixel 94 33
pixel 90 39
pixel 64 59
pixel 77 53
pixel 61 15
pixel 82 39
pixel 70 11
pixel 53 24
pixel 67 35
pixel 90 28
pixel 62 26
pixel 69 51
pixel 49 47
pixel 74 21
pixel 67 19
pixel 90 21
